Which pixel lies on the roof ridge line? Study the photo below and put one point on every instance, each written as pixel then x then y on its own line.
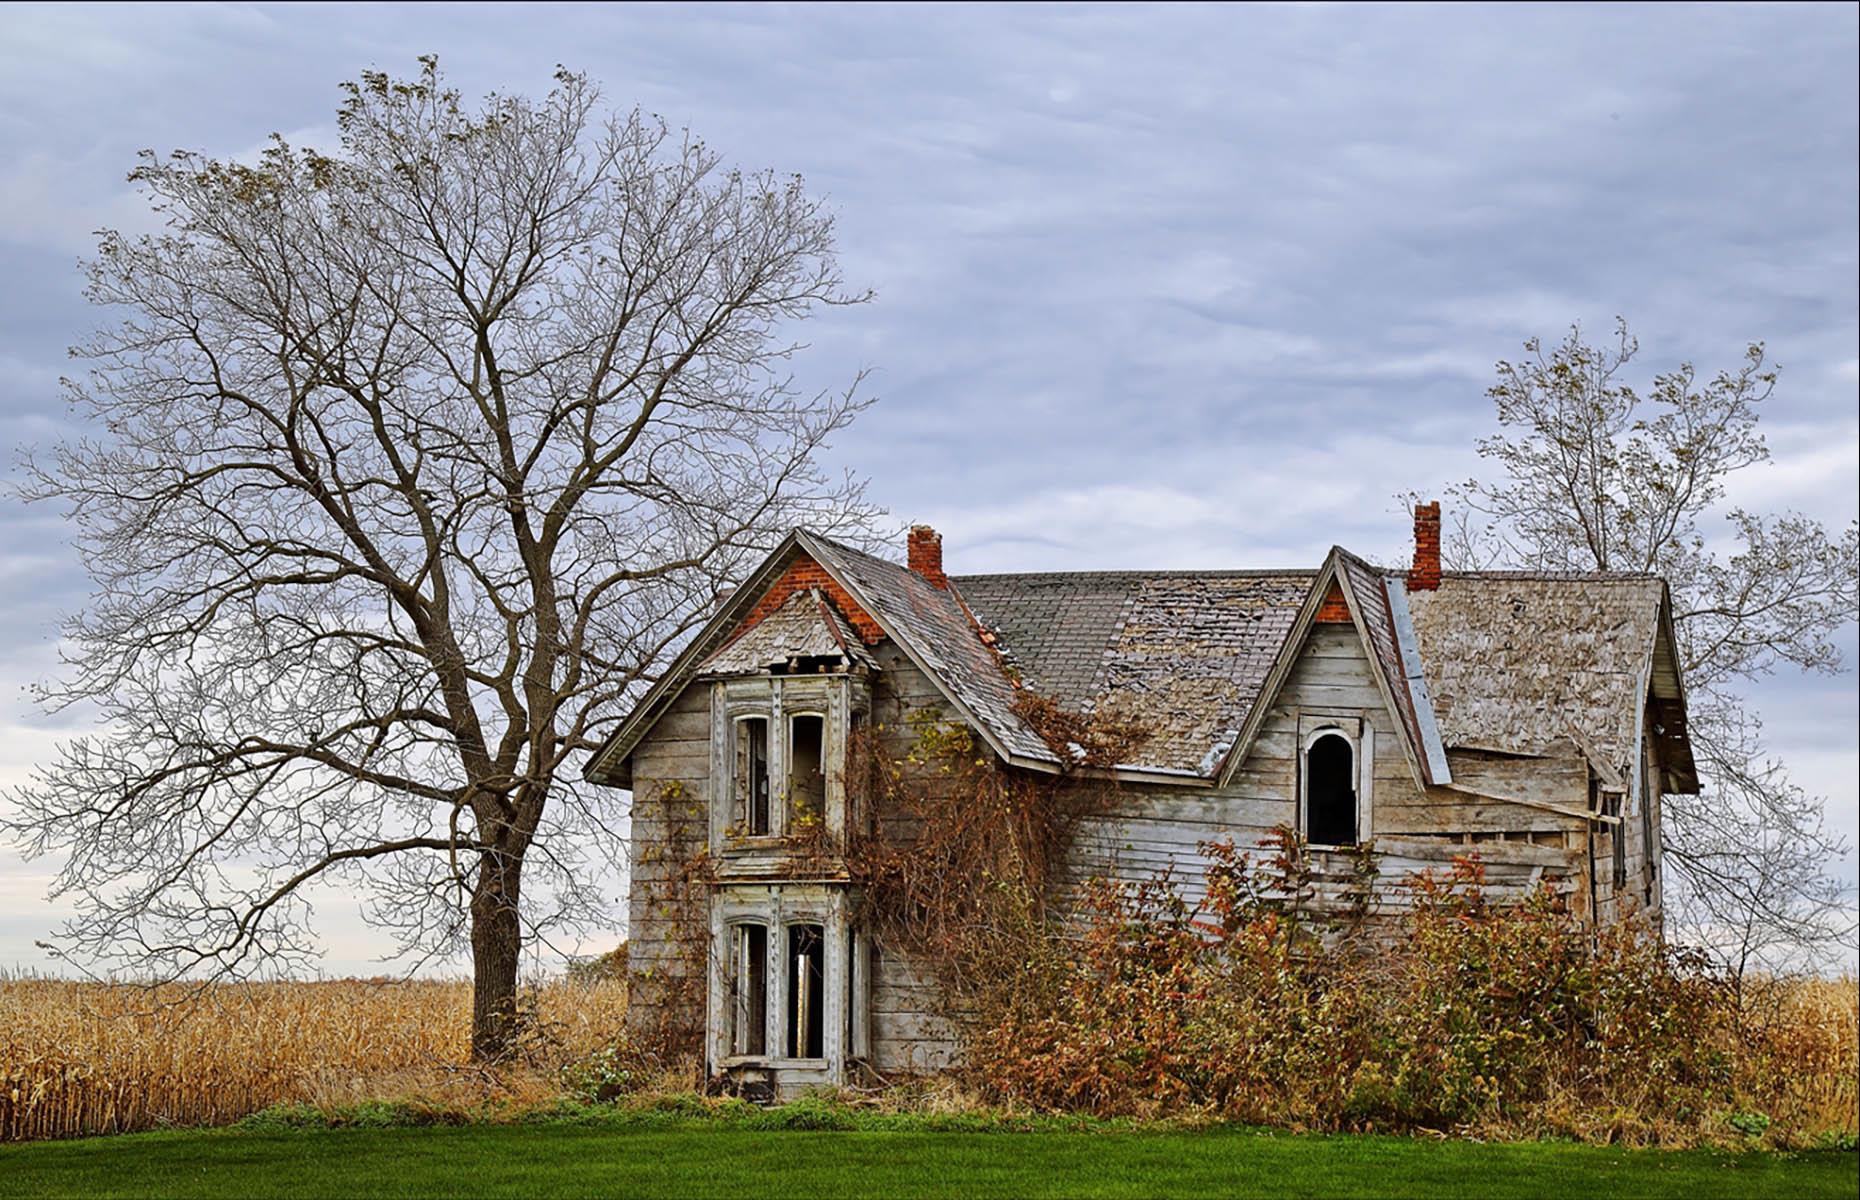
pixel 1186 573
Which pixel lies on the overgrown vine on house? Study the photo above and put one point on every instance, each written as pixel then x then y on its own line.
pixel 960 862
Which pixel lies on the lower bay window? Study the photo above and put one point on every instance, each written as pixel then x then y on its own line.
pixel 792 981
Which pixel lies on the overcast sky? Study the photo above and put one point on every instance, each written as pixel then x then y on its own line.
pixel 1157 287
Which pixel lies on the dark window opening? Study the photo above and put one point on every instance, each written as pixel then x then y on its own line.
pixel 807 780
pixel 806 1026
pixel 749 989
pixel 808 664
pixel 1618 836
pixel 752 775
pixel 857 756
pixel 1330 792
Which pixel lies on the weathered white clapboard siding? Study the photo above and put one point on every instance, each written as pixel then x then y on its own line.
pixel 910 1029
pixel 1156 832
pixel 670 824
pixel 910 1034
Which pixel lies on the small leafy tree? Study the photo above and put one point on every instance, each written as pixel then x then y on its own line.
pixel 1597 475
pixel 405 464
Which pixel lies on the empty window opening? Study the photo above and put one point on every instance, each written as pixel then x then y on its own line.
pixel 805 1028
pixel 807 780
pixel 749 989
pixel 1330 796
pixel 752 775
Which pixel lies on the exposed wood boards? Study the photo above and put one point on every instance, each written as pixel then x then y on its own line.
pixel 1507 853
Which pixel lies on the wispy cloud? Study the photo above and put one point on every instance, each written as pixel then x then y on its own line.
pixel 1194 286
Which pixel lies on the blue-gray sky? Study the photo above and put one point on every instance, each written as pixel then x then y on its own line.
pixel 1158 287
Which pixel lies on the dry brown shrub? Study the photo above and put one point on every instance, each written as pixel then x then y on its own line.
pixel 81 1058
pixel 1507 1021
pixel 960 870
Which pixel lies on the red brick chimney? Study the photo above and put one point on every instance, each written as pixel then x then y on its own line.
pixel 1425 574
pixel 926 555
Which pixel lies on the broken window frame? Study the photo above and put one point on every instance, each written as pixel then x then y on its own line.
pixel 1614 804
pixel 748 1032
pixel 752 796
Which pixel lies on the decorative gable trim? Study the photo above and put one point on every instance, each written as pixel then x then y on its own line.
pixel 1663 701
pixel 608 764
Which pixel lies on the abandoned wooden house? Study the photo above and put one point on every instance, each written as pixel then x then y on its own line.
pixel 1534 718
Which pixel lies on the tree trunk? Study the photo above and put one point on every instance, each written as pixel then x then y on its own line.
pixel 496 940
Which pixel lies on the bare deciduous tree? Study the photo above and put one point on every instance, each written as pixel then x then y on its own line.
pixel 1599 477
pixel 410 461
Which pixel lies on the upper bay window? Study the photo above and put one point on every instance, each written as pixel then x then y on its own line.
pixel 778 753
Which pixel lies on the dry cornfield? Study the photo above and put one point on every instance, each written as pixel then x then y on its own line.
pixel 1814 1028
pixel 82 1058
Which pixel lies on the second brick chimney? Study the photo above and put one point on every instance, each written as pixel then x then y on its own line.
pixel 1424 576
pixel 926 555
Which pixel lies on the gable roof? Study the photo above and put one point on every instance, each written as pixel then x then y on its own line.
pixel 1388 645
pixel 930 625
pixel 1510 661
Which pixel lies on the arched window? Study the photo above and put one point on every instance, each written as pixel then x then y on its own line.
pixel 1330 790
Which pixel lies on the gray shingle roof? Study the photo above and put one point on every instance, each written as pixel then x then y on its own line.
pixel 1512 661
pixel 1517 660
pixel 1186 652
pixel 939 634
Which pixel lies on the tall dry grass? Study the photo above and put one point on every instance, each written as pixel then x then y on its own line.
pixel 83 1058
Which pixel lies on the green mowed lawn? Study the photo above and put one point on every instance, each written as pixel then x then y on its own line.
pixel 565 1160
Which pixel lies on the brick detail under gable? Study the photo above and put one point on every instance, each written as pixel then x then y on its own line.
pixel 1333 611
pixel 802 574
